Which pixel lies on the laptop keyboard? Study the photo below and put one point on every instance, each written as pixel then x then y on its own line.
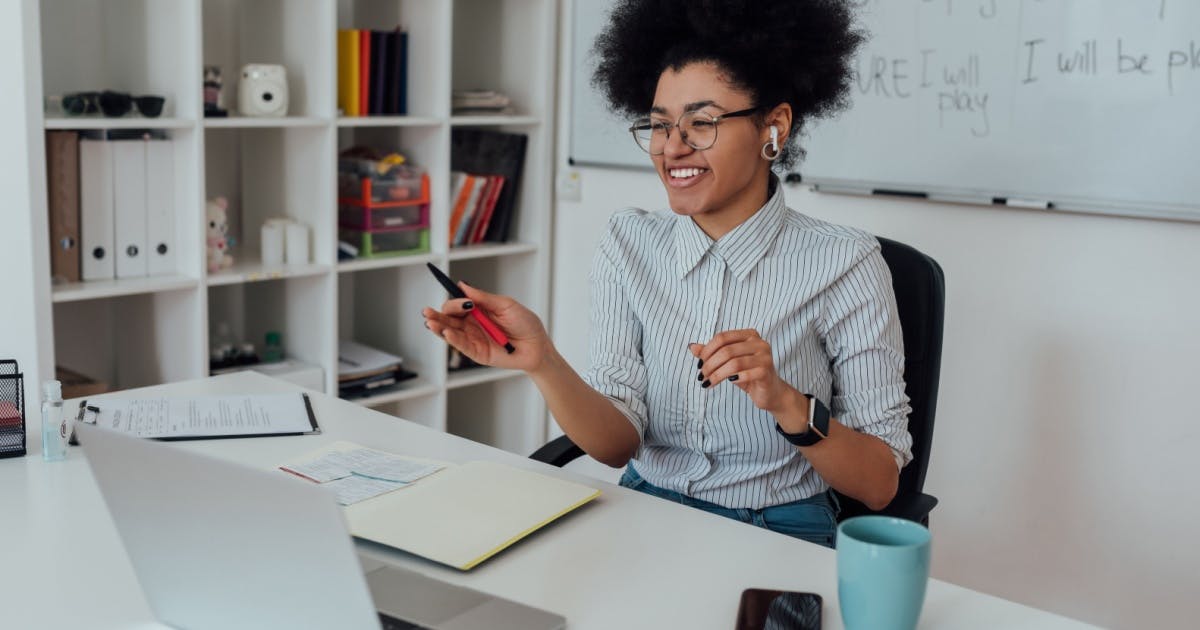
pixel 391 623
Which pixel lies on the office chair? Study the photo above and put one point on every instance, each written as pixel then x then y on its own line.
pixel 920 290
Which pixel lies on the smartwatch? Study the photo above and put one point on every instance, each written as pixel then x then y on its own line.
pixel 818 424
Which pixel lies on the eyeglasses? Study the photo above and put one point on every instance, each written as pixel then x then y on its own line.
pixel 113 104
pixel 698 129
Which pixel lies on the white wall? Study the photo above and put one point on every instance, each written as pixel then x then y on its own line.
pixel 1067 423
pixel 21 274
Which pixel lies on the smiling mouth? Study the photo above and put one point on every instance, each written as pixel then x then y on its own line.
pixel 685 174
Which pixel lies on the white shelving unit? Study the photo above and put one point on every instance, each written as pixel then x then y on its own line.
pixel 143 331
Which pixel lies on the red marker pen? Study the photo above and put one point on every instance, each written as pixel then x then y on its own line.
pixel 488 325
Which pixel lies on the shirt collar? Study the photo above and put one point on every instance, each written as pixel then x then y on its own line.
pixel 741 248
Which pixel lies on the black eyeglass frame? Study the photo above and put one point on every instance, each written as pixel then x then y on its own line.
pixel 643 124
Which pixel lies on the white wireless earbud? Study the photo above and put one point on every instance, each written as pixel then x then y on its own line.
pixel 772 146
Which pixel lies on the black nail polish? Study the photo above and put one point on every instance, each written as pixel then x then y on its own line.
pixel 700 376
pixel 699 364
pixel 705 384
pixel 733 378
pixel 468 305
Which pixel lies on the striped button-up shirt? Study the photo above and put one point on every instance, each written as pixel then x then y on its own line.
pixel 819 293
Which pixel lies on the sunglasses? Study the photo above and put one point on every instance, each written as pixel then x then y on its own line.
pixel 112 104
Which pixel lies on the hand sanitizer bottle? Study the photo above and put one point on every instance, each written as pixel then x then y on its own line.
pixel 55 432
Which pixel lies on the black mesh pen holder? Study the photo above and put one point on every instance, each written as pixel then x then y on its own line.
pixel 12 410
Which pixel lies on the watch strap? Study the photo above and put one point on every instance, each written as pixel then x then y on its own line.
pixel 818 424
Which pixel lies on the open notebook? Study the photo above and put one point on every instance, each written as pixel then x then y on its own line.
pixel 462 514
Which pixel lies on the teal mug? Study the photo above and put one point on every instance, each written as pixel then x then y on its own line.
pixel 883 566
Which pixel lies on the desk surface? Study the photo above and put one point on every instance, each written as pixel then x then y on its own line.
pixel 627 560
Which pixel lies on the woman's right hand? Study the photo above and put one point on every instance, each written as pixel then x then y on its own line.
pixel 458 328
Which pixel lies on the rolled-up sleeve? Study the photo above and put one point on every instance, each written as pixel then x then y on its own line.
pixel 866 347
pixel 617 369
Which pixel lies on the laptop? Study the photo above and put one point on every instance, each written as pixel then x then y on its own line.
pixel 216 544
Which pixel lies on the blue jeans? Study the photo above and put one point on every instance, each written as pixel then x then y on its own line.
pixel 813 519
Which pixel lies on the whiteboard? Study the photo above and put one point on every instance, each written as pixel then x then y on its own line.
pixel 1090 105
pixel 598 136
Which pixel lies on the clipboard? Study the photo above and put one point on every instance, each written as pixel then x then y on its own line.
pixel 207 417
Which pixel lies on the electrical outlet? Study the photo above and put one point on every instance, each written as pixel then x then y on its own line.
pixel 570 184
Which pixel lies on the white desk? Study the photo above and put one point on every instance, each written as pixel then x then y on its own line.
pixel 625 561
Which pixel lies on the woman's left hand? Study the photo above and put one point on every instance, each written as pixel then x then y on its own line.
pixel 743 358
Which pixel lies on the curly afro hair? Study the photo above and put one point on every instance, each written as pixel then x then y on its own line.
pixel 778 51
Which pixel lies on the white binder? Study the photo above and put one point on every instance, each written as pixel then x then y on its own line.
pixel 96 218
pixel 129 201
pixel 160 207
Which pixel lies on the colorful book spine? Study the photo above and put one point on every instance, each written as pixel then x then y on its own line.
pixel 364 76
pixel 348 72
pixel 378 76
pixel 62 177
pixel 460 236
pixel 401 74
pixel 488 209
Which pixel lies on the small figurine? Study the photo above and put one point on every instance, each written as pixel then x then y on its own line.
pixel 217 242
pixel 214 100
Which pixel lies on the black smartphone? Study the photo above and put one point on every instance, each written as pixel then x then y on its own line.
pixel 764 609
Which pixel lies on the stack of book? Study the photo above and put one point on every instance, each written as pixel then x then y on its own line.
pixel 366 371
pixel 480 102
pixel 487 167
pixel 475 198
pixel 372 72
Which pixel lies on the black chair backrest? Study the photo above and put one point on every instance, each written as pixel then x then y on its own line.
pixel 920 289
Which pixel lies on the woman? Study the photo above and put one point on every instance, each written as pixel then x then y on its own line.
pixel 744 357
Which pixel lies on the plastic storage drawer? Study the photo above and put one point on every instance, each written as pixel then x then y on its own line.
pixel 381 244
pixel 375 218
pixel 403 185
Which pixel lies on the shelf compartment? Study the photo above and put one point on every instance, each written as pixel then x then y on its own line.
pixel 424 149
pixel 132 340
pixel 292 33
pixel 300 309
pixel 427 82
pixel 266 173
pixel 98 289
pixel 506 413
pixel 138 47
pixel 498 45
pixel 381 308
pixel 508 275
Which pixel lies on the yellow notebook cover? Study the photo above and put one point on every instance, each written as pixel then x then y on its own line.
pixel 463 514
pixel 348 72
